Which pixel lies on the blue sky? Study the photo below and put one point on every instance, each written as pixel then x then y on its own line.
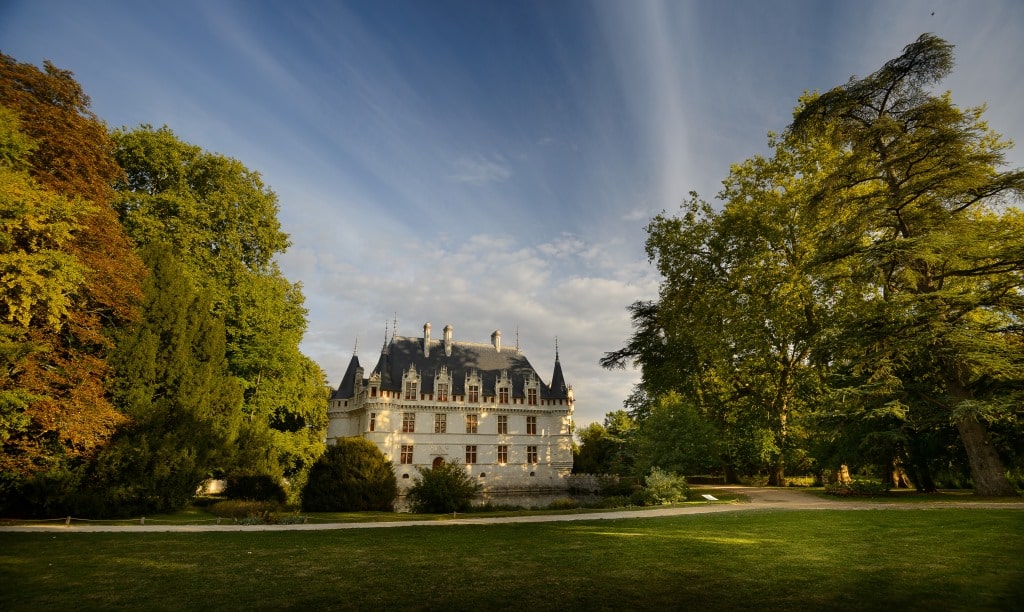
pixel 492 165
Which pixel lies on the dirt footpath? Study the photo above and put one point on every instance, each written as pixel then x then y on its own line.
pixel 756 498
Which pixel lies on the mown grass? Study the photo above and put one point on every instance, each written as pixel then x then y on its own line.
pixel 204 515
pixel 904 496
pixel 838 560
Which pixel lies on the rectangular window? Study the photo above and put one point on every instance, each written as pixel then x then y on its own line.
pixel 474 393
pixel 531 454
pixel 502 454
pixel 442 392
pixel 407 454
pixel 531 397
pixel 471 423
pixel 410 390
pixel 531 425
pixel 373 391
pixel 373 421
pixel 440 423
pixel 502 424
pixel 408 422
pixel 503 395
pixel 470 454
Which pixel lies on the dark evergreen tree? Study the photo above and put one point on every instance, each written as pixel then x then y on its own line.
pixel 173 383
pixel 352 475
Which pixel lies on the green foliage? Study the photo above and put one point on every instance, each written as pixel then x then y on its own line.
pixel 243 508
pixel 172 381
pixel 447 488
pixel 221 221
pixel 921 234
pixel 866 275
pixel 621 486
pixel 566 503
pixel 352 475
pixel 255 487
pixel 607 448
pixel 661 487
pixel 675 437
pixel 857 488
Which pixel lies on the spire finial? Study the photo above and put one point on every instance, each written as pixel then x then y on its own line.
pixel 394 328
pixel 355 349
pixel 517 338
pixel 556 349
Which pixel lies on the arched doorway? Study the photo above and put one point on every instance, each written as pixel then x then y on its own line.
pixel 438 462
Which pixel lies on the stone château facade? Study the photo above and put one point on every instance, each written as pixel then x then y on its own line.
pixel 431 401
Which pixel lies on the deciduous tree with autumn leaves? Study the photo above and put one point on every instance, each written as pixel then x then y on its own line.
pixel 77 203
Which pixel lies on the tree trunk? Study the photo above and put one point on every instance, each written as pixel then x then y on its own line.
pixel 777 475
pixel 731 476
pixel 987 468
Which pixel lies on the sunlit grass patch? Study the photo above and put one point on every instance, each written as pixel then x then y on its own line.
pixel 912 559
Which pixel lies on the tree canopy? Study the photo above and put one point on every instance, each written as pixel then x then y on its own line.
pixel 69 271
pixel 221 222
pixel 866 275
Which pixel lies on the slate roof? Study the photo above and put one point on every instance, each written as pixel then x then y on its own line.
pixel 402 352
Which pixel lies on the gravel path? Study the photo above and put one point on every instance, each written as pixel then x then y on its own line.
pixel 758 498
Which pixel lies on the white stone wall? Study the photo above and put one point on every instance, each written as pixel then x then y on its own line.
pixel 552 438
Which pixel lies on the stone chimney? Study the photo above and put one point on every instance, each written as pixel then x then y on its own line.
pixel 496 340
pixel 448 340
pixel 426 339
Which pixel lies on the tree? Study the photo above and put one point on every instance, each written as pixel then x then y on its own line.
pixel 351 476
pixel 70 278
pixel 919 223
pixel 221 221
pixel 737 314
pixel 174 384
pixel 607 448
pixel 445 488
pixel 676 438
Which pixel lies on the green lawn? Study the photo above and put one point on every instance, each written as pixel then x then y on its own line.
pixel 853 560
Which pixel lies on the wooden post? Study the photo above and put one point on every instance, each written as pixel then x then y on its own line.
pixel 142 521
pixel 67 521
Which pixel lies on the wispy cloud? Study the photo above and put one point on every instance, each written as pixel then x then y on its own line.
pixel 480 170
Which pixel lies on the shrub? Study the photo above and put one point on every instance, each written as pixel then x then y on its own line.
pixel 351 476
pixel 617 501
pixel 857 488
pixel 243 508
pixel 565 503
pixel 257 487
pixel 447 488
pixel 664 487
pixel 619 486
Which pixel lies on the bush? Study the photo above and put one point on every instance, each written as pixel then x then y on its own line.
pixel 857 488
pixel 243 509
pixel 616 486
pixel 257 487
pixel 664 487
pixel 351 476
pixel 565 503
pixel 447 488
pixel 605 503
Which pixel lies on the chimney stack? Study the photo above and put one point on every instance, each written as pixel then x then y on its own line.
pixel 426 339
pixel 448 340
pixel 496 340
